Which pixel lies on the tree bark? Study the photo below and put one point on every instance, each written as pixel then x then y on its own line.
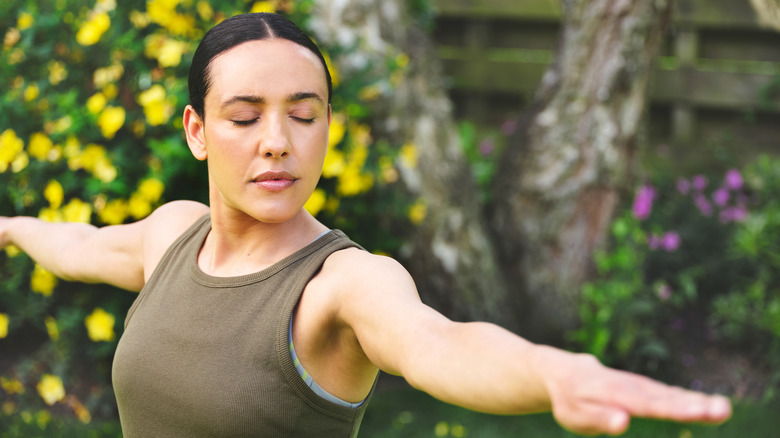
pixel 450 255
pixel 561 179
pixel 521 261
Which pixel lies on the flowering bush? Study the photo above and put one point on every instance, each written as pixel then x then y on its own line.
pixel 692 262
pixel 90 131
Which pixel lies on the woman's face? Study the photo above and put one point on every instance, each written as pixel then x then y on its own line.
pixel 266 129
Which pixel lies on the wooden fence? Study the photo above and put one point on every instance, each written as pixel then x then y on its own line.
pixel 717 59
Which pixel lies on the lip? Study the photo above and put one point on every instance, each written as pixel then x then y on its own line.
pixel 274 180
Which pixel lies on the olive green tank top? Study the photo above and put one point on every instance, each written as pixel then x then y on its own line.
pixel 205 356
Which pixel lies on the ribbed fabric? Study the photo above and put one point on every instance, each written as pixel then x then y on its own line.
pixel 205 356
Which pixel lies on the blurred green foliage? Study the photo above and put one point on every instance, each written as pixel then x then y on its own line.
pixel 90 131
pixel 694 262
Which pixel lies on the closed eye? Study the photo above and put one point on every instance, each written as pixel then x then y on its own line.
pixel 243 122
pixel 304 120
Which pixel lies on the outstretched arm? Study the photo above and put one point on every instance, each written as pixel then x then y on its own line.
pixel 120 255
pixel 483 367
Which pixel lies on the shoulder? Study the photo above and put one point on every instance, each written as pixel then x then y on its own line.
pixel 356 276
pixel 170 220
pixel 165 225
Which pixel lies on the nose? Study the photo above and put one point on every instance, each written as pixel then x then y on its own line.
pixel 274 139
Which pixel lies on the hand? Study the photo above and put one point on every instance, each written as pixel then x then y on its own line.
pixel 589 398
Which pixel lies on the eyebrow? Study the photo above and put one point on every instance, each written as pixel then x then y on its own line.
pixel 255 99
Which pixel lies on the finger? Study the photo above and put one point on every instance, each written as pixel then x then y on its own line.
pixel 593 419
pixel 644 397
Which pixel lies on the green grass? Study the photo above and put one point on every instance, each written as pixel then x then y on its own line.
pixel 406 413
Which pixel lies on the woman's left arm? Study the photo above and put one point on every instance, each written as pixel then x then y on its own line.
pixel 486 368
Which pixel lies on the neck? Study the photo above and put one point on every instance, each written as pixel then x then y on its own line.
pixel 239 244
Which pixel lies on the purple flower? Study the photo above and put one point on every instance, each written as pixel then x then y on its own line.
pixel 699 182
pixel 486 146
pixel 733 180
pixel 654 242
pixel 509 127
pixel 721 197
pixel 683 186
pixel 733 214
pixel 664 292
pixel 671 241
pixel 703 204
pixel 643 202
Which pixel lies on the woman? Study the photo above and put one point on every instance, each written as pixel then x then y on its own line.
pixel 254 319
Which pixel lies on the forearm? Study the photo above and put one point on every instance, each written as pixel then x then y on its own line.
pixel 52 245
pixel 485 368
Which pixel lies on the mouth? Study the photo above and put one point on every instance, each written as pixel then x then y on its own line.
pixel 274 180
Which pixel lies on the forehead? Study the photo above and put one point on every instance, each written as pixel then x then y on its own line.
pixel 266 68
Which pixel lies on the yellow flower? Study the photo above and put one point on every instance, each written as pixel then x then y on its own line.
pixel 156 108
pixel 10 147
pixel 163 12
pixel 20 162
pixel 369 93
pixel 352 182
pixel 31 92
pixel 104 170
pixel 25 21
pixel 42 281
pixel 417 212
pixel 263 6
pixel 170 53
pixel 336 130
pixel 50 389
pixel 155 93
pixel 59 126
pixel 11 37
pixel 96 103
pixel 139 19
pixel 110 120
pixel 409 155
pixel 54 193
pixel 51 328
pixel 48 214
pixel 57 72
pixel 107 75
pixel 94 28
pixel 316 202
pixel 11 386
pixel 387 170
pixel 105 5
pixel 3 329
pixel 204 10
pixel 100 325
pixel 334 163
pixel 151 189
pixel 138 206
pixel 77 211
pixel 334 74
pixel 12 250
pixel 114 212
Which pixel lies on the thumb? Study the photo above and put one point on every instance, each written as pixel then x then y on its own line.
pixel 594 419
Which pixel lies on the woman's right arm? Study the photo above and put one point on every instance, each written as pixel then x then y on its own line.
pixel 119 255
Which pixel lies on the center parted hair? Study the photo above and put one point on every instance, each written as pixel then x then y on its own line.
pixel 237 30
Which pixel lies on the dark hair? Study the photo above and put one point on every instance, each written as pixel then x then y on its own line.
pixel 237 30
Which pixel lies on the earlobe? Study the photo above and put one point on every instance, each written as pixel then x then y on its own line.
pixel 194 130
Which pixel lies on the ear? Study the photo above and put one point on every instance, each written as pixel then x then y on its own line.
pixel 195 132
pixel 330 113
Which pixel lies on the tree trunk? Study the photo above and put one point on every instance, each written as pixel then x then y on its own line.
pixel 450 255
pixel 558 185
pixel 561 179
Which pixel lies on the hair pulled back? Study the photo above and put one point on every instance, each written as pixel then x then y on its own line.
pixel 237 30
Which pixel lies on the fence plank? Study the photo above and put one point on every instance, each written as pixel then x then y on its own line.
pixel 699 13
